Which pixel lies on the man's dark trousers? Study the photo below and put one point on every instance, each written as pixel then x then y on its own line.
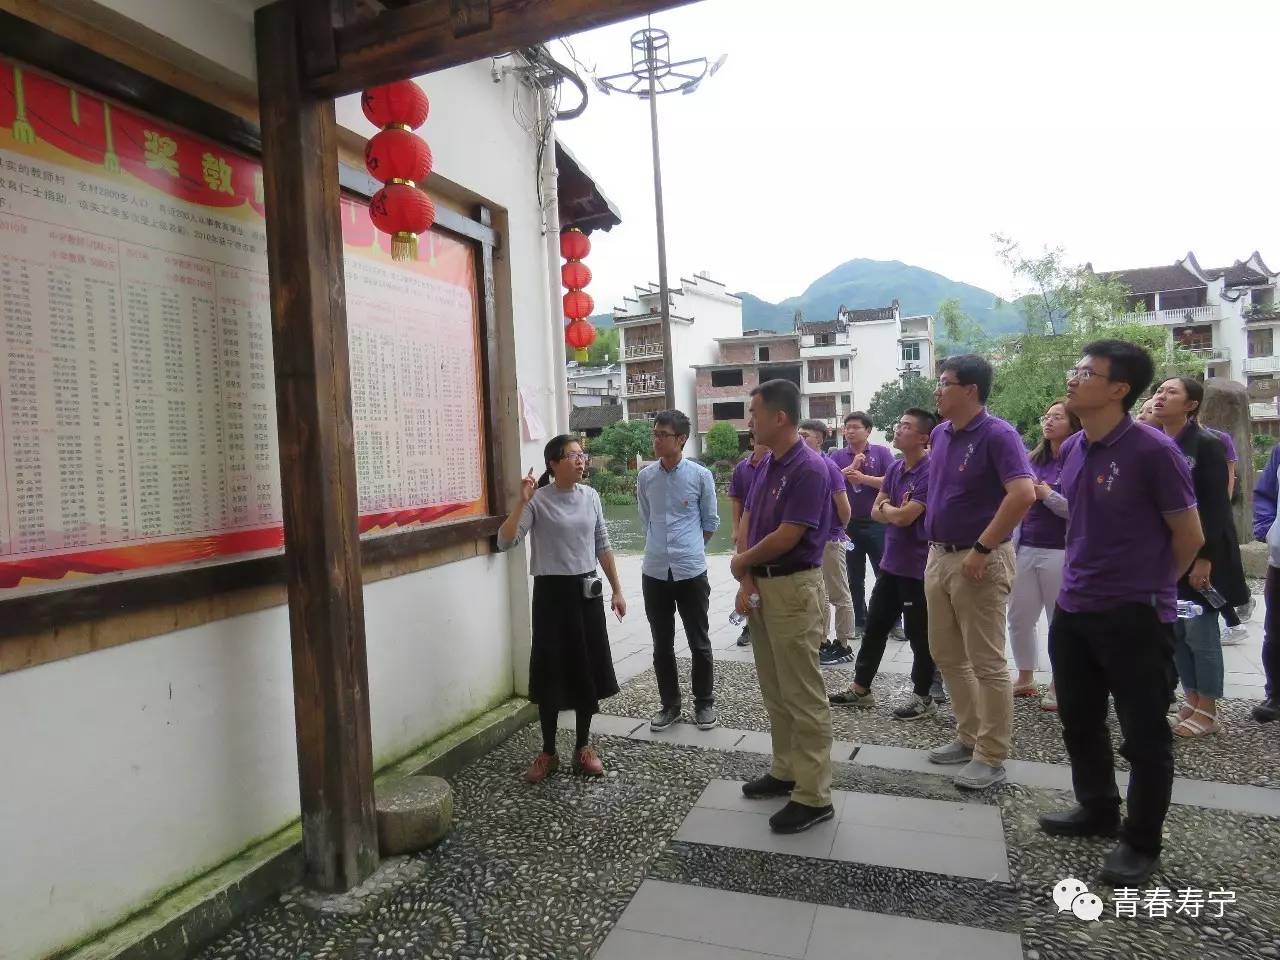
pixel 1271 633
pixel 868 544
pixel 662 598
pixel 1125 651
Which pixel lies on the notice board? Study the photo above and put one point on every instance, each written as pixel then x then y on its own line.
pixel 137 393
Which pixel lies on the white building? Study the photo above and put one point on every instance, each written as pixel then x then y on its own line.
pixel 701 313
pixel 849 358
pixel 1227 315
pixel 147 745
pixel 594 386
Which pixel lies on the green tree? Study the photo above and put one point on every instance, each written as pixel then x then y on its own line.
pixel 891 400
pixel 604 349
pixel 722 442
pixel 623 441
pixel 960 333
pixel 1055 296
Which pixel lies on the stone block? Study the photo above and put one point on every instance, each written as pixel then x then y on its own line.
pixel 1254 557
pixel 413 813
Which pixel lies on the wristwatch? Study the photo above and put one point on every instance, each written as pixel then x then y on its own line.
pixel 978 547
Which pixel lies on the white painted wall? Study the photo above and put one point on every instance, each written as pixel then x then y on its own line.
pixel 877 360
pixel 116 789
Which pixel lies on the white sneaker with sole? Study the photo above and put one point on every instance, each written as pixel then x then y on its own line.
pixel 1235 635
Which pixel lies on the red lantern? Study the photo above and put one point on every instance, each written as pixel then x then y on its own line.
pixel 403 211
pixel 575 274
pixel 579 335
pixel 396 154
pixel 578 304
pixel 574 244
pixel 401 102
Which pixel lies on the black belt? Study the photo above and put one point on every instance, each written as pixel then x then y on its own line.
pixel 959 547
pixel 770 570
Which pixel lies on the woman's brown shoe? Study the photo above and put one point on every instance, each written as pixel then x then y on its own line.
pixel 543 766
pixel 587 761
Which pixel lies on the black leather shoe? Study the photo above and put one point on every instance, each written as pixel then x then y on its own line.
pixel 1127 867
pixel 798 817
pixel 767 786
pixel 1079 822
pixel 1267 710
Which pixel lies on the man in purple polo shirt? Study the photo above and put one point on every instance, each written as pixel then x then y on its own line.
pixel 1133 530
pixel 744 474
pixel 863 464
pixel 787 518
pixel 899 589
pixel 979 489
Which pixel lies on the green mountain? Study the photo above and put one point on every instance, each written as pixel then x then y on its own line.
pixel 875 283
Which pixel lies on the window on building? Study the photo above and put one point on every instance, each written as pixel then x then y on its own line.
pixel 822 371
pixel 844 369
pixel 728 411
pixel 846 403
pixel 822 408
pixel 726 378
pixel 911 352
pixel 823 339
pixel 1193 338
pixel 1261 343
pixel 762 354
pixel 1183 299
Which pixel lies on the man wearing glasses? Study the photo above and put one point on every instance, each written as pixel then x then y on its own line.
pixel 980 486
pixel 678 511
pixel 1133 531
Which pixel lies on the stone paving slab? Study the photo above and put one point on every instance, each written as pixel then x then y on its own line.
pixel 958 839
pixel 683 922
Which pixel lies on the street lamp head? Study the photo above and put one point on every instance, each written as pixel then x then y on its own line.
pixel 689 88
pixel 719 63
pixel 600 84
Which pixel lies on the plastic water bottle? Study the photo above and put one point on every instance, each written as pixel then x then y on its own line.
pixel 1216 600
pixel 1187 610
pixel 849 546
pixel 738 619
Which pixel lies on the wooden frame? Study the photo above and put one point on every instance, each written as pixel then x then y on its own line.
pixel 29 613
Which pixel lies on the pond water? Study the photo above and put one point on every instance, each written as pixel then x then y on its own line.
pixel 627 537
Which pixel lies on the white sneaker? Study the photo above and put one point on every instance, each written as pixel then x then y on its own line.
pixel 1234 635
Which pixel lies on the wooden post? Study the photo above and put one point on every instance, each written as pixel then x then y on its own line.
pixel 317 461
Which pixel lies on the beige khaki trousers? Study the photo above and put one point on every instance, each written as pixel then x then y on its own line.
pixel 835 581
pixel 786 631
pixel 967 640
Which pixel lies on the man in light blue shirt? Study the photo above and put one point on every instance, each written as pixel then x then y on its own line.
pixel 678 511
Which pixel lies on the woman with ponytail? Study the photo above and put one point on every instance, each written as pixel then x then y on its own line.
pixel 570 665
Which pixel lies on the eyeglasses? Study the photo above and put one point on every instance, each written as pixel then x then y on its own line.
pixel 577 456
pixel 943 384
pixel 1084 374
pixel 657 434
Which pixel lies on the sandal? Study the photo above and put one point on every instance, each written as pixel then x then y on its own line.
pixel 1183 712
pixel 1191 727
pixel 1031 690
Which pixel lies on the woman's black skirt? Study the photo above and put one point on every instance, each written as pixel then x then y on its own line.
pixel 570 666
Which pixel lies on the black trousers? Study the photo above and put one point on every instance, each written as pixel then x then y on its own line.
pixel 1271 633
pixel 868 544
pixel 1128 653
pixel 891 597
pixel 662 598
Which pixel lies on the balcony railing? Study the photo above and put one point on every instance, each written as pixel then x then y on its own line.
pixel 645 384
pixel 1172 318
pixel 1212 354
pixel 638 351
pixel 1262 365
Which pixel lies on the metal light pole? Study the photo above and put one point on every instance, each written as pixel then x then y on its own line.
pixel 652 73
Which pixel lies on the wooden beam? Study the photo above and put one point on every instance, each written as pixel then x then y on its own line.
pixel 428 36
pixel 317 461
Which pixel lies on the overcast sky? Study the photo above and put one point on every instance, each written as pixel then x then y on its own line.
pixel 1126 131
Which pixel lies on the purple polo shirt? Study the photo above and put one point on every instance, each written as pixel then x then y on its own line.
pixel 1226 442
pixel 876 463
pixel 1118 544
pixel 795 488
pixel 743 476
pixel 906 548
pixel 836 531
pixel 967 472
pixel 1041 527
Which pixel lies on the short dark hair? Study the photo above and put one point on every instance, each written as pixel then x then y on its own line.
pixel 861 417
pixel 1130 364
pixel 674 419
pixel 970 370
pixel 780 396
pixel 925 421
pixel 817 426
